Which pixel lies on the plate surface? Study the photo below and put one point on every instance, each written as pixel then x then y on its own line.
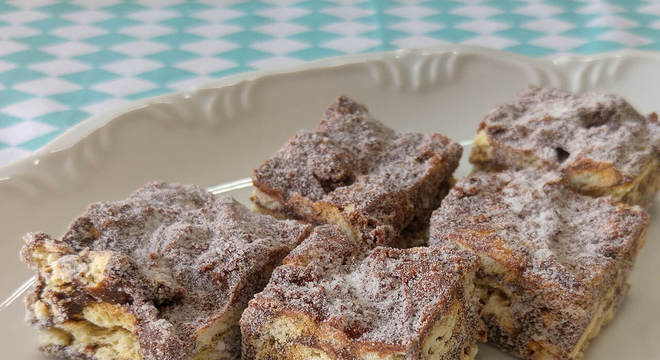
pixel 220 132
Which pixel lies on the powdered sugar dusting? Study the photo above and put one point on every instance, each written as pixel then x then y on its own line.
pixel 386 295
pixel 381 179
pixel 180 259
pixel 563 129
pixel 557 239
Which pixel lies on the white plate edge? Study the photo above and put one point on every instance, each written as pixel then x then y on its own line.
pixel 78 132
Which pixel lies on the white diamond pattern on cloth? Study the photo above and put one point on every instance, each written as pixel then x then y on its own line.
pixel 47 86
pixel 281 29
pixel 97 107
pixel 32 108
pixel 24 131
pixel 132 66
pixel 417 27
pixel 146 31
pixel 7 47
pixel 140 48
pixel 78 32
pixel 17 30
pixel 548 26
pixel 348 28
pixel 59 67
pixel 351 44
pixel 484 26
pixel 205 65
pixel 124 86
pixel 70 49
pixel 63 61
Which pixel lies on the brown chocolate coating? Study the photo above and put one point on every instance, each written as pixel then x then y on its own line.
pixel 356 300
pixel 353 169
pixel 553 256
pixel 178 260
pixel 599 142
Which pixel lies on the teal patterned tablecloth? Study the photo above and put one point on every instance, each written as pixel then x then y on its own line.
pixel 62 61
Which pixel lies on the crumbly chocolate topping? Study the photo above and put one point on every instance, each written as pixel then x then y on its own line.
pixel 563 129
pixel 385 297
pixel 556 241
pixel 355 162
pixel 180 259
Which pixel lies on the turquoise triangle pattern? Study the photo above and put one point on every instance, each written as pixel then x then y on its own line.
pixel 19 75
pixel 6 8
pixel 63 119
pixel 8 97
pixel 596 46
pixel 102 57
pixel 170 73
pixel 6 120
pixel 251 6
pixel 171 56
pixel 50 23
pixel 116 23
pixel 177 39
pixel 40 40
pixel 81 97
pixel 27 57
pixel 183 22
pixel 316 20
pixel 60 8
pixel 189 7
pixel 246 38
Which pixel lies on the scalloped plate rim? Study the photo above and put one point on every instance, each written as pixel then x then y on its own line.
pixel 86 127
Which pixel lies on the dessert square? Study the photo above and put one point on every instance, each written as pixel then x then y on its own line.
pixel 334 298
pixel 554 263
pixel 355 172
pixel 163 274
pixel 599 142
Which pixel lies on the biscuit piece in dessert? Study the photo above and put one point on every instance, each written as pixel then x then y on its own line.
pixel 333 298
pixel 600 143
pixel 553 262
pixel 163 274
pixel 355 172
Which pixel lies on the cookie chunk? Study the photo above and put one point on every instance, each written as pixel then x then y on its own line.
pixel 600 143
pixel 334 298
pixel 554 263
pixel 163 274
pixel 355 172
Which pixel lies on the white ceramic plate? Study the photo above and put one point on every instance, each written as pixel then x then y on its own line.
pixel 221 131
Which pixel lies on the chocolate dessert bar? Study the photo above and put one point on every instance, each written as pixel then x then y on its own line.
pixel 355 172
pixel 554 262
pixel 164 274
pixel 335 298
pixel 600 143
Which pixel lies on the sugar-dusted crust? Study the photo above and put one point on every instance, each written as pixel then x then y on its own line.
pixel 600 143
pixel 335 298
pixel 553 262
pixel 164 274
pixel 355 172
